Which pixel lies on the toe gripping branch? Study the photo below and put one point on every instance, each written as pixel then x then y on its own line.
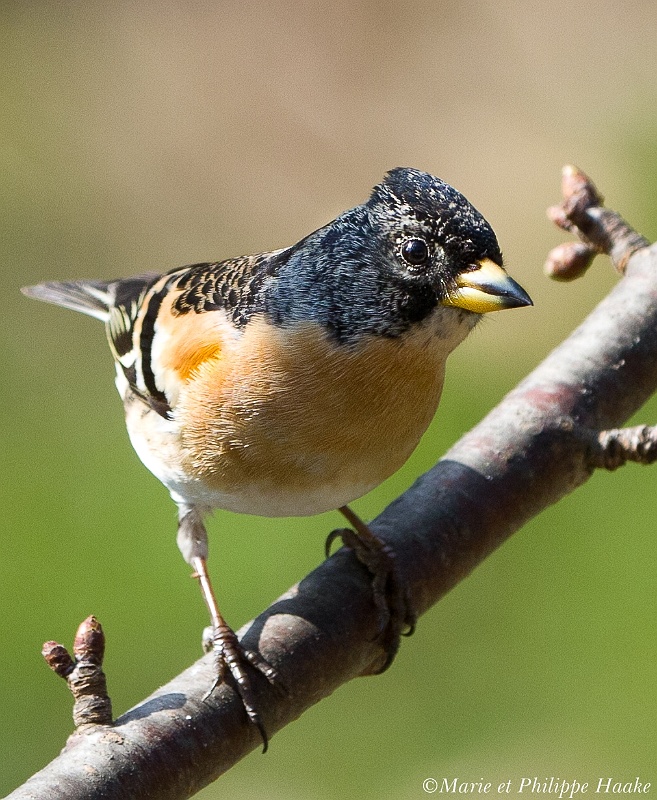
pixel 600 230
pixel 395 615
pixel 231 658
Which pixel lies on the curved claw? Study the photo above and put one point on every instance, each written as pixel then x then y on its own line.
pixel 231 658
pixel 333 535
pixel 390 595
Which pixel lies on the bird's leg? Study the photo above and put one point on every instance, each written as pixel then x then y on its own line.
pixel 396 617
pixel 230 656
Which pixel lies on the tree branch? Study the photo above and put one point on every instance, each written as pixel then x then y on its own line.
pixel 83 673
pixel 543 441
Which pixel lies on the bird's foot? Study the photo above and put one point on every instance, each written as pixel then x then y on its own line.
pixel 232 660
pixel 396 617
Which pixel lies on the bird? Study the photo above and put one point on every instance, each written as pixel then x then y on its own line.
pixel 262 384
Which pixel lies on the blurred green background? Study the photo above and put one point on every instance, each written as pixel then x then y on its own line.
pixel 140 136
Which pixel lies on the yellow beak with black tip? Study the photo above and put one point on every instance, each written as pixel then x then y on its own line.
pixel 487 288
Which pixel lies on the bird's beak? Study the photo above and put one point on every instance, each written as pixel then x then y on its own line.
pixel 487 288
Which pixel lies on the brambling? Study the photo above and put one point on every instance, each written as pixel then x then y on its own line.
pixel 292 382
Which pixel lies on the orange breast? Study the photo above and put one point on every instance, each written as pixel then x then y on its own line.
pixel 288 413
pixel 184 343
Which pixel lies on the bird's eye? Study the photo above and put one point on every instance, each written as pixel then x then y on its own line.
pixel 415 252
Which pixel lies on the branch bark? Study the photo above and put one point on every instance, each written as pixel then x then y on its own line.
pixel 542 442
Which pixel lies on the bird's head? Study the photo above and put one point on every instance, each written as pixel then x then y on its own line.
pixel 414 248
pixel 433 242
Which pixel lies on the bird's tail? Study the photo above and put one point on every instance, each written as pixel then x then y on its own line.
pixel 89 297
pixel 95 298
